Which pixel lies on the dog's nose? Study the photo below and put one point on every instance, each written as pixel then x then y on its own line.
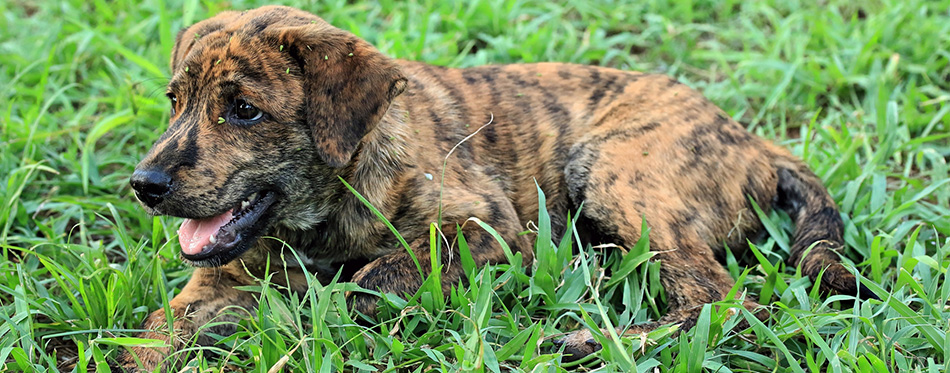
pixel 151 186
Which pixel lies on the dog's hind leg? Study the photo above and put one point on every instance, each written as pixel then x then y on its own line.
pixel 692 202
pixel 691 277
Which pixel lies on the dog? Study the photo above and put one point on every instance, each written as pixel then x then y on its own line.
pixel 271 107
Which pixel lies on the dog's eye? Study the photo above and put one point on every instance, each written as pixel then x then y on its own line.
pixel 247 112
pixel 174 100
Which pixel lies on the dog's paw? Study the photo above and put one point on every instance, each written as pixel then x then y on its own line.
pixel 390 274
pixel 841 281
pixel 578 345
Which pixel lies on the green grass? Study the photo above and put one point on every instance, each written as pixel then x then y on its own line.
pixel 860 92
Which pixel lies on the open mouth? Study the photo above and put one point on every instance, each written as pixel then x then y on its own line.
pixel 218 239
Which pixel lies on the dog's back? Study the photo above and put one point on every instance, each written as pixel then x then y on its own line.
pixel 554 122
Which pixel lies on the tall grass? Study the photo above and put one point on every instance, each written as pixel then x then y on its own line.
pixel 858 89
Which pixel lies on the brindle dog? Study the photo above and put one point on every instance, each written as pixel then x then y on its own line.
pixel 270 106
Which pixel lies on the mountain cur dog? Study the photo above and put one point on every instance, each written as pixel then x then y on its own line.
pixel 269 107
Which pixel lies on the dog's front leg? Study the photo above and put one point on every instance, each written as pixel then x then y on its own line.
pixel 208 296
pixel 396 272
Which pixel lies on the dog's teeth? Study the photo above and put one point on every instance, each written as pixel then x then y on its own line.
pixel 253 197
pixel 212 239
pixel 244 204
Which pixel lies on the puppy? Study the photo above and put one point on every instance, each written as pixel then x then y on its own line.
pixel 271 107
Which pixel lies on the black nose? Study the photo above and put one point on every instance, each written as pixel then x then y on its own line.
pixel 151 186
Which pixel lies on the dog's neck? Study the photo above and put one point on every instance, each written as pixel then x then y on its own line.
pixel 348 229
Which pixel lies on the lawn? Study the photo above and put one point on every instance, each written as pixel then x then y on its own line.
pixel 859 89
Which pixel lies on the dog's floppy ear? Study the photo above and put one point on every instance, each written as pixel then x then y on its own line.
pixel 348 86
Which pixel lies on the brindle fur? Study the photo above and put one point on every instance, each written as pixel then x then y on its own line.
pixel 626 144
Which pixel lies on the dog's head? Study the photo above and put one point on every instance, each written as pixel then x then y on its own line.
pixel 265 106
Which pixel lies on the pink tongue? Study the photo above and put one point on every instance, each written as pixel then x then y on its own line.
pixel 194 235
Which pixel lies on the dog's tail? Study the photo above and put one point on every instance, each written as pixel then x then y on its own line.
pixel 818 229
